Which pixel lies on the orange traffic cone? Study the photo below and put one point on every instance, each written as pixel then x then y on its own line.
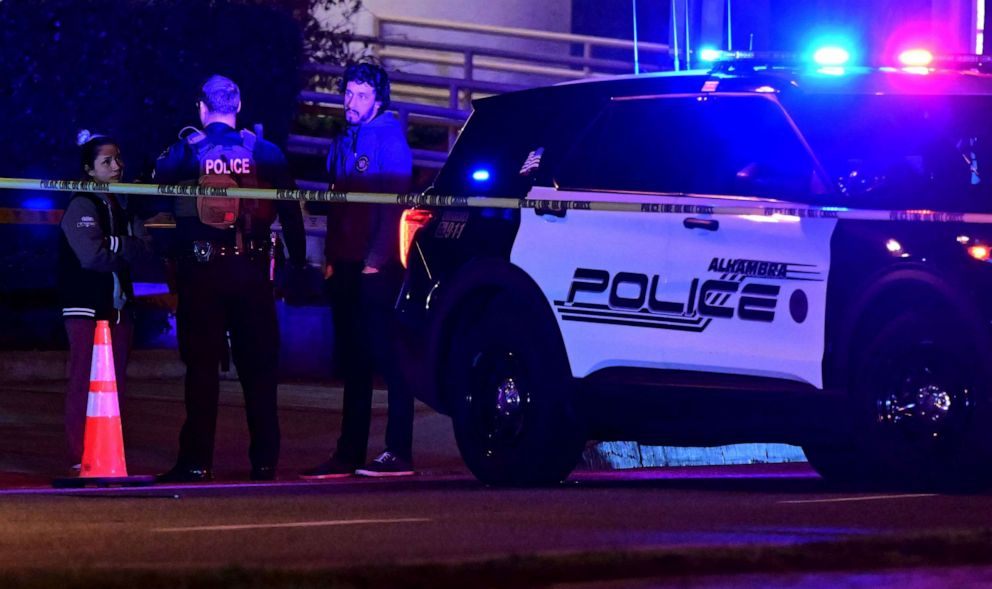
pixel 103 440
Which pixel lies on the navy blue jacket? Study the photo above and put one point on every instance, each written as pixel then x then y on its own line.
pixel 373 157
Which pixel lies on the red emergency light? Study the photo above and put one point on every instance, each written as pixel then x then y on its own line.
pixel 916 58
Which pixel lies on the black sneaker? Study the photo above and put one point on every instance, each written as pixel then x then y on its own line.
pixel 332 468
pixel 387 464
pixel 179 474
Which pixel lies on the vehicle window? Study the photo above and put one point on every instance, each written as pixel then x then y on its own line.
pixel 504 135
pixel 733 145
pixel 903 152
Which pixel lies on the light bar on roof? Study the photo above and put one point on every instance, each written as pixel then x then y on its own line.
pixel 833 57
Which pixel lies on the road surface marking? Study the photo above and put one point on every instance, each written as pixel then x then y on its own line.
pixel 335 522
pixel 863 498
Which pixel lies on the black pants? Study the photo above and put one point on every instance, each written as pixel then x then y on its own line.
pixel 365 341
pixel 231 293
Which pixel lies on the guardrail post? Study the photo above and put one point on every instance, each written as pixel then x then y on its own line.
pixel 469 65
pixel 453 96
pixel 469 74
pixel 587 54
pixel 455 103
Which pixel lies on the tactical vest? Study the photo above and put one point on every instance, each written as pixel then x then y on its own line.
pixel 230 166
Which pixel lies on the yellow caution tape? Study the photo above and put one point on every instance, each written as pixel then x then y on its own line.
pixel 423 200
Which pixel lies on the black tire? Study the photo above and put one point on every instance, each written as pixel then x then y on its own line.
pixel 507 380
pixel 839 464
pixel 921 406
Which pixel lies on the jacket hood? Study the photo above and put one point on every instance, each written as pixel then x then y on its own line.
pixel 387 121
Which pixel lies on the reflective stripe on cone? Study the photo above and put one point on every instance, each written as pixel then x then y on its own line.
pixel 102 404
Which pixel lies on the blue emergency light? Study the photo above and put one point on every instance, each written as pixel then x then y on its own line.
pixel 831 56
pixel 709 54
pixel 38 203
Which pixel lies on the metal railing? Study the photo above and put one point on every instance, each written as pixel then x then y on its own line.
pixel 427 99
pixel 457 92
pixel 494 59
pixel 525 63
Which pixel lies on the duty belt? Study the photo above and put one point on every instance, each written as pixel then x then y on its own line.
pixel 205 251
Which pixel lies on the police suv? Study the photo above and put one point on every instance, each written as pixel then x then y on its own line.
pixel 756 253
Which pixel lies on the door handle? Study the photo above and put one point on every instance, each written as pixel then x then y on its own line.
pixel 696 223
pixel 541 211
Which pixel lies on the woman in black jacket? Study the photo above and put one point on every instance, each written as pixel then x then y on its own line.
pixel 100 242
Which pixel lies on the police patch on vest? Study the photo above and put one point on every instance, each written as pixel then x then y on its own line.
pixel 223 166
pixel 238 165
pixel 362 163
pixel 86 221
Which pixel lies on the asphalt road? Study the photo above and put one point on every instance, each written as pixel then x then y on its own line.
pixel 651 528
pixel 371 524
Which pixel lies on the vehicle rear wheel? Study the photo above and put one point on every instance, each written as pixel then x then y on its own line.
pixel 922 409
pixel 510 390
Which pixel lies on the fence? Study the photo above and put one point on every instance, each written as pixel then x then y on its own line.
pixel 439 100
pixel 517 62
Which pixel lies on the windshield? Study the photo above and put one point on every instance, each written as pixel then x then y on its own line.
pixel 902 152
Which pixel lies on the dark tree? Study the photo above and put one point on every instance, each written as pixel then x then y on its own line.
pixel 132 69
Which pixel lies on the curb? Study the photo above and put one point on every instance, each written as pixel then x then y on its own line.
pixel 51 365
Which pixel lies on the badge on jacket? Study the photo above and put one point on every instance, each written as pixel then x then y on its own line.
pixel 362 163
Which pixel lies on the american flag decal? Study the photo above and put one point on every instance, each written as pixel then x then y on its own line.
pixel 532 162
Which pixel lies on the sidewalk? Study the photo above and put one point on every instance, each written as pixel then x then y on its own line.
pixel 152 412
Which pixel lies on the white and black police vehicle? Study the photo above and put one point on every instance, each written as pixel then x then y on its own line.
pixel 801 254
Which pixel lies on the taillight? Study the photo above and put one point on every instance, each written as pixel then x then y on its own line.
pixel 977 249
pixel 411 222
pixel 981 253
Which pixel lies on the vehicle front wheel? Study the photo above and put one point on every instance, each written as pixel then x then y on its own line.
pixel 922 407
pixel 507 380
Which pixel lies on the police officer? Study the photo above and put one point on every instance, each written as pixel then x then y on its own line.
pixel 222 250
pixel 363 276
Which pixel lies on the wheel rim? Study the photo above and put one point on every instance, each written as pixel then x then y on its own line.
pixel 920 396
pixel 498 399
